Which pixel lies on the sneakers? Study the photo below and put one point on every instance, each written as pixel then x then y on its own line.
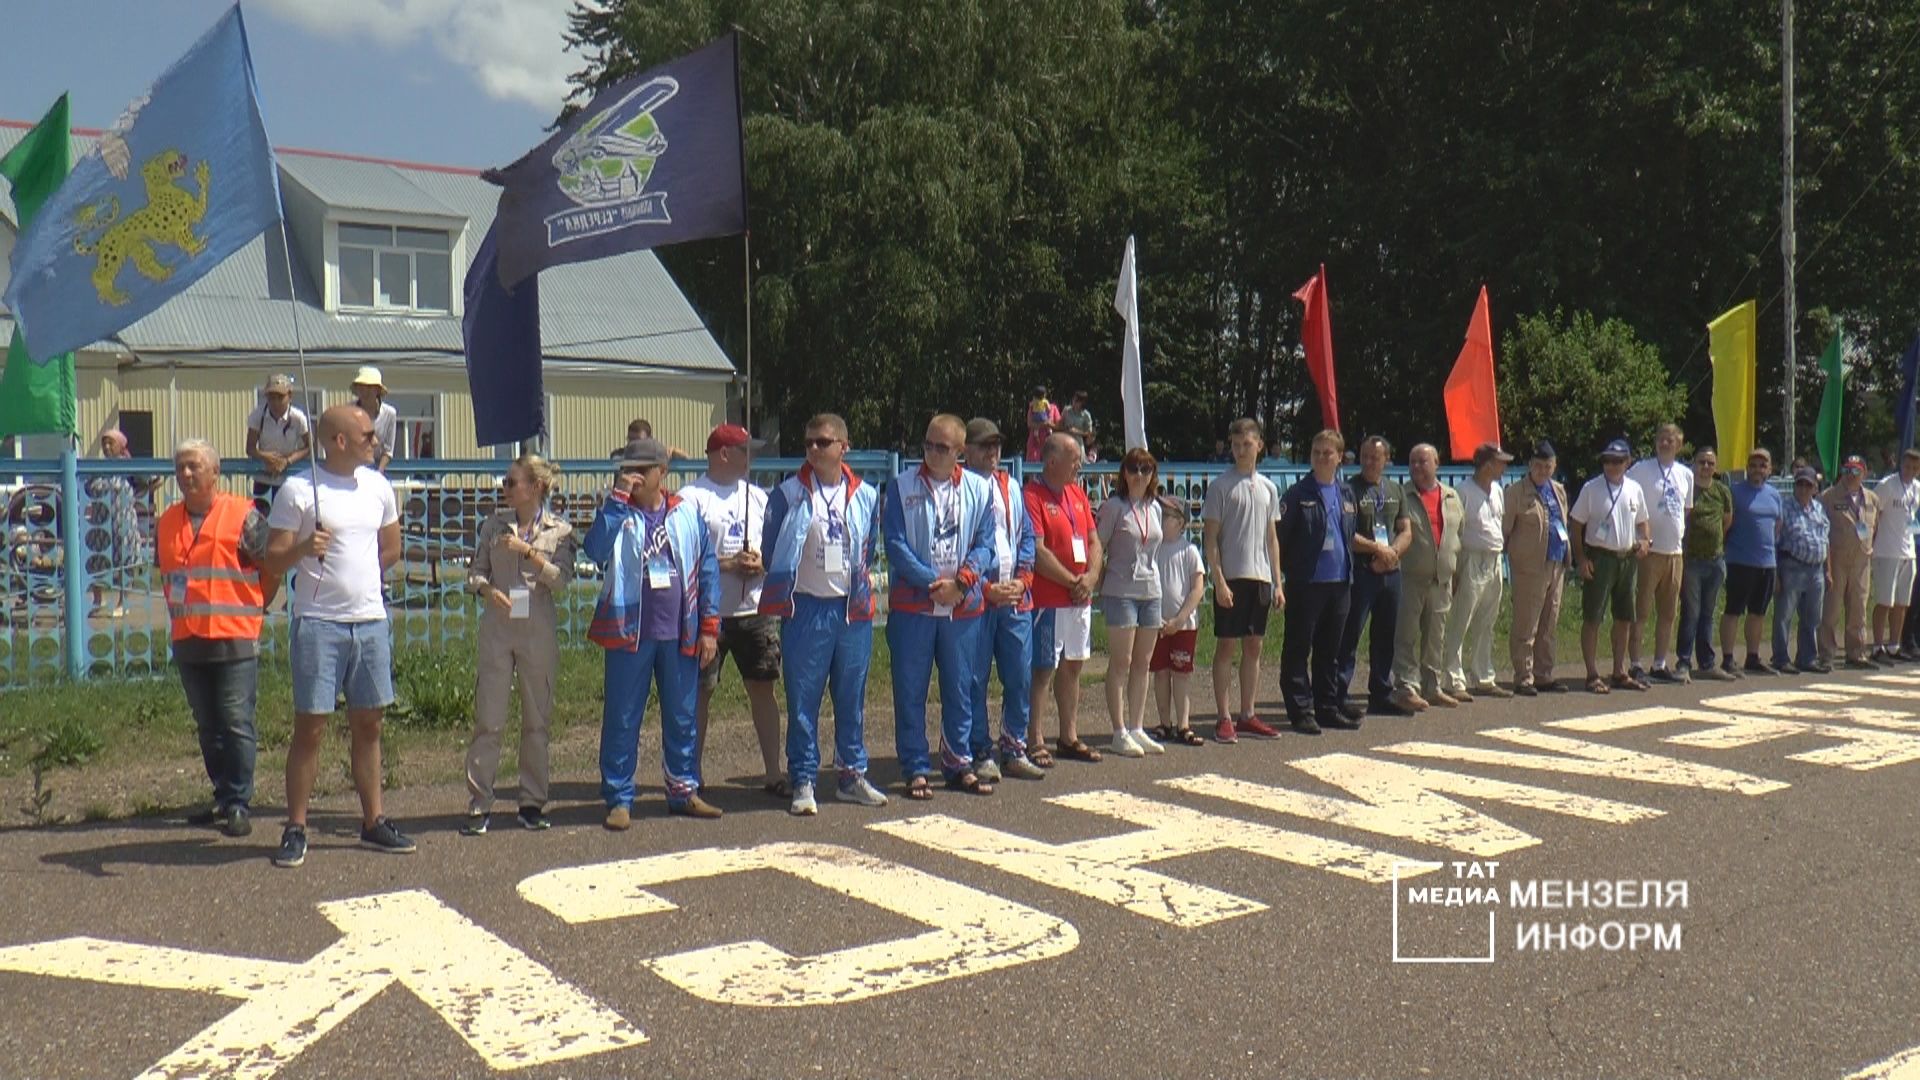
pixel 1682 676
pixel 211 816
pixel 803 804
pixel 1020 767
pixel 1223 731
pixel 237 823
pixel 1757 666
pixel 476 824
pixel 1124 745
pixel 619 819
pixel 1140 739
pixel 854 788
pixel 1257 727
pixel 1729 671
pixel 1637 673
pixel 987 769
pixel 1862 665
pixel 387 837
pixel 533 819
pixel 293 846
pixel 1662 675
pixel 694 806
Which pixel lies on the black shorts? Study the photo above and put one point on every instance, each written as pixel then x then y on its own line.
pixel 1749 589
pixel 1252 600
pixel 754 643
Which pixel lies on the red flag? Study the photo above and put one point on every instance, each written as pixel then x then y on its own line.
pixel 1473 412
pixel 1316 333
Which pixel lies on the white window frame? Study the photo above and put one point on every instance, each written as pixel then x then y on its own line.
pixel 337 267
pixel 405 427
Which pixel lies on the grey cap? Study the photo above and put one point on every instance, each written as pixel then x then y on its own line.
pixel 643 452
pixel 1804 475
pixel 982 430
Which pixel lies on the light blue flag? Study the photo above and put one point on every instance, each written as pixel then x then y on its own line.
pixel 182 180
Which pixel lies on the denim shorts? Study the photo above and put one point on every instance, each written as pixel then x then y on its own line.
pixel 1125 613
pixel 331 658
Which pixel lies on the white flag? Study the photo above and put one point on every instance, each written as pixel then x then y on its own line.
pixel 1132 399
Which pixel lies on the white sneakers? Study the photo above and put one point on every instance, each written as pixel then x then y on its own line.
pixel 1124 745
pixel 858 790
pixel 803 804
pixel 1146 742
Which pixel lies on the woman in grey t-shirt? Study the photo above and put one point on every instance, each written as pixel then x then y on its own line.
pixel 1129 529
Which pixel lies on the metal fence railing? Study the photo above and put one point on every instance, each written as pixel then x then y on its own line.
pixel 82 599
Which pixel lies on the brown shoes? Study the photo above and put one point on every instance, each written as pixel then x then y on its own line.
pixel 1407 699
pixel 695 807
pixel 1444 699
pixel 1491 690
pixel 619 819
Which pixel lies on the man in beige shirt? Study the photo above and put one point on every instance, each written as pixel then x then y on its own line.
pixel 1853 510
pixel 1426 587
pixel 1539 551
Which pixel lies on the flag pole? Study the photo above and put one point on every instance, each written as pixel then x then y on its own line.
pixel 746 399
pixel 299 348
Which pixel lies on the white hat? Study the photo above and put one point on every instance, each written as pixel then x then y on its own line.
pixel 368 376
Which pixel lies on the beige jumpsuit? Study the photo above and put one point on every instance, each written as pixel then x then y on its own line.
pixel 530 646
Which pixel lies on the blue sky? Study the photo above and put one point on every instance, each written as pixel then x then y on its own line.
pixel 454 82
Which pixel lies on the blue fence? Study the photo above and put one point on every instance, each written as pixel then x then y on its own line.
pixel 83 601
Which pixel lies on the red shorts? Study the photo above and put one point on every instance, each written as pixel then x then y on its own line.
pixel 1175 652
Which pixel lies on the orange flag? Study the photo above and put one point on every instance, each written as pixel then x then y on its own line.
pixel 1473 412
pixel 1316 334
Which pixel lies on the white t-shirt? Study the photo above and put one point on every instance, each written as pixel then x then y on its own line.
pixel 828 528
pixel 1246 505
pixel 346 587
pixel 1610 513
pixel 736 516
pixel 278 436
pixel 1480 526
pixel 1899 505
pixel 1003 545
pixel 1669 494
pixel 1178 561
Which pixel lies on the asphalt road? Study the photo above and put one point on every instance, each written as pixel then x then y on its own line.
pixel 1141 930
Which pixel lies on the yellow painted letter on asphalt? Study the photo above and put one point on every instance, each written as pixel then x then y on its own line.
pixel 1810 705
pixel 1108 868
pixel 1578 757
pixel 973 931
pixel 1861 748
pixel 513 1012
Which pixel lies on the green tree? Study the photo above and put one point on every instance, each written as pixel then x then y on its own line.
pixel 1582 382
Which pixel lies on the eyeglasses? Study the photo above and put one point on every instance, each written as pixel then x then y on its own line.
pixel 932 448
pixel 1138 469
pixel 822 444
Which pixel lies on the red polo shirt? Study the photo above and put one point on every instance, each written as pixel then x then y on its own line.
pixel 1057 519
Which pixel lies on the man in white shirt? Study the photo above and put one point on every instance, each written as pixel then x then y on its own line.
pixel 370 393
pixel 279 436
pixel 1476 582
pixel 1612 529
pixel 1893 558
pixel 1668 486
pixel 735 512
pixel 340 537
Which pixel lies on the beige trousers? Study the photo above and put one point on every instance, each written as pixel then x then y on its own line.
pixel 1419 637
pixel 530 647
pixel 1536 621
pixel 1848 597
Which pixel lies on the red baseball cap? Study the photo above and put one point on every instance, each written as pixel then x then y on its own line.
pixel 728 436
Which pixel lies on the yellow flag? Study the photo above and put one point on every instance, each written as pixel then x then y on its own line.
pixel 1731 342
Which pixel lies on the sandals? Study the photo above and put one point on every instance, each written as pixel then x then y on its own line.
pixel 919 790
pixel 1167 733
pixel 1040 755
pixel 1628 682
pixel 779 789
pixel 1078 750
pixel 970 783
pixel 1597 685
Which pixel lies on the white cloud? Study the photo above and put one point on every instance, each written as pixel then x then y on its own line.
pixel 512 48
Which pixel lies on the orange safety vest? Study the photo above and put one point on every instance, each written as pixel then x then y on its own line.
pixel 210 594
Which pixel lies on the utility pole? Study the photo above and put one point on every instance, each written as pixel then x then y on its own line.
pixel 1787 243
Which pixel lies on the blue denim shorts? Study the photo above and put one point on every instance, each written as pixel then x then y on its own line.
pixel 330 658
pixel 1125 613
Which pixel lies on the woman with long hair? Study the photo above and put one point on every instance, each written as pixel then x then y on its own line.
pixel 1130 532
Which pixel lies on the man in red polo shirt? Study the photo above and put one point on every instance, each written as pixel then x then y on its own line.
pixel 1066 571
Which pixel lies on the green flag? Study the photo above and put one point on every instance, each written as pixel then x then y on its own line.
pixel 1826 434
pixel 37 398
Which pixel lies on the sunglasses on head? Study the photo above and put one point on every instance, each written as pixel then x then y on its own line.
pixel 822 443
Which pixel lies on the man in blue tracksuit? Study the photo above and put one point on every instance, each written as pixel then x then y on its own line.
pixel 1009 618
pixel 821 528
pixel 939 526
pixel 659 620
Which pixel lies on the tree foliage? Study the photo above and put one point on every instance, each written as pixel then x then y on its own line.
pixel 1581 383
pixel 941 190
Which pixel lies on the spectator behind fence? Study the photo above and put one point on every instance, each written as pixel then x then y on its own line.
pixel 279 436
pixel 1130 533
pixel 1077 421
pixel 370 394
pixel 121 497
pixel 211 547
pixel 642 428
pixel 522 558
pixel 1043 418
pixel 342 536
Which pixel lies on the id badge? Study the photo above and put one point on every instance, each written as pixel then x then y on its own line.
pixel 659 574
pixel 1380 533
pixel 1860 530
pixel 1079 549
pixel 834 558
pixel 521 600
pixel 1332 542
pixel 177 585
pixel 1560 531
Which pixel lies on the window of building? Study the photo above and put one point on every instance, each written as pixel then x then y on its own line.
pixel 137 426
pixel 393 268
pixel 417 432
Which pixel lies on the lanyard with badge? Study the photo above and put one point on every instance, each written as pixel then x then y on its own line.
pixel 1142 515
pixel 659 555
pixel 1607 527
pixel 520 597
pixel 1381 535
pixel 945 542
pixel 1858 500
pixel 833 552
pixel 1554 521
pixel 1669 491
pixel 1073 527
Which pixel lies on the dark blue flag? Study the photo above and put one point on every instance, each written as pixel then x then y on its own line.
pixel 653 160
pixel 501 329
pixel 1909 377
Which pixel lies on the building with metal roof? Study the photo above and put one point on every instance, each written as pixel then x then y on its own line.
pixel 378 251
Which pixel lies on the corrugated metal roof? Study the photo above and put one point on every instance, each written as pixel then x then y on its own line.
pixel 622 310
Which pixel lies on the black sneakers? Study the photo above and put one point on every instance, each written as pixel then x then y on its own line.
pixel 293 847
pixel 385 836
pixel 237 823
pixel 532 818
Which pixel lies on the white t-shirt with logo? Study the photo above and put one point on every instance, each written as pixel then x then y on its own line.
pixel 1178 561
pixel 828 529
pixel 282 435
pixel 346 586
pixel 736 516
pixel 1669 492
pixel 1610 513
pixel 1899 506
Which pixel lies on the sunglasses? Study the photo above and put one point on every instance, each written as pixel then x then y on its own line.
pixel 932 448
pixel 1140 470
pixel 822 444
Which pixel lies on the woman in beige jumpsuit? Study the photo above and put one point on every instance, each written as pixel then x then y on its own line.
pixel 523 557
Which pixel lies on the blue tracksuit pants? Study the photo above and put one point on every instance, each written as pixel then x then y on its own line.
pixel 629 680
pixel 819 648
pixel 1009 644
pixel 917 643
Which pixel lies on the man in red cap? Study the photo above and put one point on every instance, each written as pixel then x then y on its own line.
pixel 734 510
